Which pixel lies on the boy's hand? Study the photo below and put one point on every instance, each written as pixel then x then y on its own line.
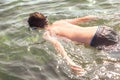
pixel 76 69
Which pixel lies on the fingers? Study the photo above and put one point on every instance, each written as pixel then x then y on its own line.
pixel 76 67
pixel 77 70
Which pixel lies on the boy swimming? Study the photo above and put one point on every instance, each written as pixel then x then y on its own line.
pixel 68 28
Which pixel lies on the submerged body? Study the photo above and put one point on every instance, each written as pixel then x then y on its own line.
pixel 95 36
pixel 68 28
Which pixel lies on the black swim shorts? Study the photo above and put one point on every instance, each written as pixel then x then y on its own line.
pixel 104 36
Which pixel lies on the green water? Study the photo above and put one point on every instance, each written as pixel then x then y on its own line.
pixel 25 55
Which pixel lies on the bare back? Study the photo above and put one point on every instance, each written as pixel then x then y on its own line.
pixel 73 32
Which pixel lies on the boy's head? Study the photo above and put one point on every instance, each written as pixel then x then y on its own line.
pixel 37 20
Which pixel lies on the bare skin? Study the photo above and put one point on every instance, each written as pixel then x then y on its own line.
pixel 60 49
pixel 68 29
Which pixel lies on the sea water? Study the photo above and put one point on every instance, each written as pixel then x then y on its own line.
pixel 25 55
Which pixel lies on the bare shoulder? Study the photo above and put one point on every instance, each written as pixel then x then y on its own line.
pixel 59 22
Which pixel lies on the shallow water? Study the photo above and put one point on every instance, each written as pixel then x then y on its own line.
pixel 25 55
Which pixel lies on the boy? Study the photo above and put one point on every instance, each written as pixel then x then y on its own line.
pixel 93 36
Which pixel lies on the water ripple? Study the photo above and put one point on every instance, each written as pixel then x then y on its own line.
pixel 25 55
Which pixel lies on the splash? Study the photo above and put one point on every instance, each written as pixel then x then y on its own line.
pixel 111 48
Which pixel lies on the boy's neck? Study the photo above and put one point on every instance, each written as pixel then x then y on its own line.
pixel 47 27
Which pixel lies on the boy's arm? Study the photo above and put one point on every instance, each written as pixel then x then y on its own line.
pixel 60 49
pixel 82 19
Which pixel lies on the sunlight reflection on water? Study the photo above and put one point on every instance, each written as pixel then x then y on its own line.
pixel 26 55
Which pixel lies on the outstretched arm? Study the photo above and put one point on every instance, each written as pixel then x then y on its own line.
pixel 60 49
pixel 82 19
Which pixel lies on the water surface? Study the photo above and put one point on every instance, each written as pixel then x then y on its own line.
pixel 25 55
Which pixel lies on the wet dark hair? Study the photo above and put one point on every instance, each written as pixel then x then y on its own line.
pixel 37 20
